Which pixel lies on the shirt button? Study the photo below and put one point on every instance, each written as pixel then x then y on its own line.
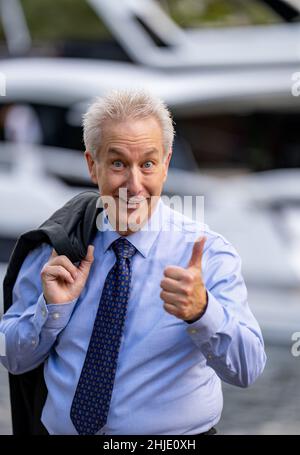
pixel 33 342
pixel 209 356
pixel 44 312
pixel 56 316
pixel 193 330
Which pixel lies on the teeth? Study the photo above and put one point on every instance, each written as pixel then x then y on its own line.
pixel 133 201
pixel 136 200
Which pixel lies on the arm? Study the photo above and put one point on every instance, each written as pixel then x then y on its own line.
pixel 227 333
pixel 31 326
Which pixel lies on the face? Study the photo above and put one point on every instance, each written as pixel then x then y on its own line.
pixel 130 169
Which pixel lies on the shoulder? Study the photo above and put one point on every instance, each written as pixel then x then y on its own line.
pixel 176 221
pixel 183 229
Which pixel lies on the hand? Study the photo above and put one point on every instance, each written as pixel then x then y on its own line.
pixel 62 281
pixel 183 290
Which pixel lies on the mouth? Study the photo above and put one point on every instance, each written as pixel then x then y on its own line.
pixel 133 202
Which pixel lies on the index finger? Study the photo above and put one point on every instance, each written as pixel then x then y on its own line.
pixel 173 271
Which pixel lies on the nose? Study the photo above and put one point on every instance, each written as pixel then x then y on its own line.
pixel 134 182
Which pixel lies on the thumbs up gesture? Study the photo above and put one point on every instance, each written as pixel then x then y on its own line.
pixel 183 290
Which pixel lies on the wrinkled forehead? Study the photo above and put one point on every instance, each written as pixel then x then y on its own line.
pixel 132 131
pixel 133 134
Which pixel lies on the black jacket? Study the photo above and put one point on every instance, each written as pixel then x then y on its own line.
pixel 69 230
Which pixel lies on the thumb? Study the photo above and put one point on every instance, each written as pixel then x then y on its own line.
pixel 86 263
pixel 196 258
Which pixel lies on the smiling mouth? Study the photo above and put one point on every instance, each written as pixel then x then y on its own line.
pixel 133 202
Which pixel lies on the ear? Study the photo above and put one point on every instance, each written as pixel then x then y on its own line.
pixel 91 162
pixel 166 164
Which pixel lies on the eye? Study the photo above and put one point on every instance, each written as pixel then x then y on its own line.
pixel 117 164
pixel 148 164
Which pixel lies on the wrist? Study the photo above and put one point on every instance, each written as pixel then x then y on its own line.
pixel 199 315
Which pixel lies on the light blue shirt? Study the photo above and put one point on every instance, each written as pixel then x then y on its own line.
pixel 168 379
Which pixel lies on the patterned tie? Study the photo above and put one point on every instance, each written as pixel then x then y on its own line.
pixel 93 394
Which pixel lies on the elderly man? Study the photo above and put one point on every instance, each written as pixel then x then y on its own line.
pixel 136 338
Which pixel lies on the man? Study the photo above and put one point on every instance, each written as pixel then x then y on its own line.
pixel 137 337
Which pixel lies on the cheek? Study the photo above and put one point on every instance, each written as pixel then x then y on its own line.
pixel 110 181
pixel 161 176
pixel 154 184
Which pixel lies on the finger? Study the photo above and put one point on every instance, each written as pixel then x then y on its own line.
pixel 57 271
pixel 196 258
pixel 66 263
pixel 170 285
pixel 90 253
pixel 86 263
pixel 53 254
pixel 171 298
pixel 172 309
pixel 174 272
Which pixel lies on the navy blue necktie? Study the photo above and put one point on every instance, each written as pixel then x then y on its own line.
pixel 93 393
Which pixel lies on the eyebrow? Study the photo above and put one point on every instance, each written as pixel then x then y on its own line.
pixel 113 151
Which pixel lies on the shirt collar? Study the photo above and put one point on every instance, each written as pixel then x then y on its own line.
pixel 143 239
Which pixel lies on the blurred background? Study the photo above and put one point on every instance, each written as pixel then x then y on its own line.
pixel 228 71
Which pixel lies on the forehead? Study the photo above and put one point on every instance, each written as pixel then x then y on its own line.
pixel 132 131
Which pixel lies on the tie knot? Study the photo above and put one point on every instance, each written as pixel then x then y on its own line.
pixel 123 248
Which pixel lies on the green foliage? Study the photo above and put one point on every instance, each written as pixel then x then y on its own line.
pixel 203 13
pixel 62 19
pixel 51 20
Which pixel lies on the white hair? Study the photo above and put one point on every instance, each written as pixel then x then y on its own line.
pixel 121 105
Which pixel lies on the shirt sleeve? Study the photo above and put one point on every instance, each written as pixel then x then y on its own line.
pixel 30 326
pixel 228 333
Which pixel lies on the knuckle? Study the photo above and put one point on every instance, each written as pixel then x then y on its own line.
pixel 62 259
pixel 167 271
pixel 59 260
pixel 184 302
pixel 189 291
pixel 52 261
pixel 189 278
pixel 184 315
pixel 168 308
pixel 44 270
pixel 163 283
pixel 61 270
pixel 179 301
pixel 184 312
